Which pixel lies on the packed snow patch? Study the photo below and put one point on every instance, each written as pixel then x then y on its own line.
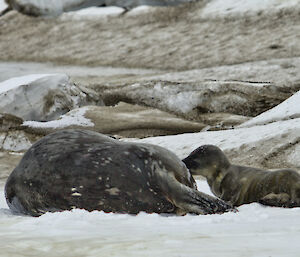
pixel 3 5
pixel 94 13
pixel 73 118
pixel 20 81
pixel 41 97
pixel 184 144
pixel 253 231
pixel 289 109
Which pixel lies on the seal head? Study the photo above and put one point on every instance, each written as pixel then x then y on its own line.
pixel 241 184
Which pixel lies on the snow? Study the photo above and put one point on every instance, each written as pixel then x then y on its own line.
pixel 3 5
pixel 94 12
pixel 140 10
pixel 73 118
pixel 254 231
pixel 20 81
pixel 183 144
pixel 289 109
pixel 17 142
pixel 233 7
pixel 14 69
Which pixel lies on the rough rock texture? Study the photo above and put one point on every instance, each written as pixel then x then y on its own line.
pixel 123 120
pixel 12 135
pixel 191 99
pixel 42 97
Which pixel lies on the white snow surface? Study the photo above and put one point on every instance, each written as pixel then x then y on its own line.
pixel 20 81
pixel 253 231
pixel 94 12
pixel 289 109
pixel 184 144
pixel 74 117
pixel 234 7
pixel 3 5
pixel 51 7
pixel 140 10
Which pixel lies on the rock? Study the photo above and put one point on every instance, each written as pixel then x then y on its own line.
pixel 192 99
pixel 8 161
pixel 8 122
pixel 123 120
pixel 40 96
pixel 12 136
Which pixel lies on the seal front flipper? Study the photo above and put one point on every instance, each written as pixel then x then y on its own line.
pixel 193 201
pixel 189 200
pixel 277 200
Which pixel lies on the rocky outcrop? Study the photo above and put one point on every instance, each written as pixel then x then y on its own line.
pixel 12 135
pixel 124 120
pixel 41 96
pixel 192 99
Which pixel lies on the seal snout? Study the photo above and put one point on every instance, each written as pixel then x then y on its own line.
pixel 189 162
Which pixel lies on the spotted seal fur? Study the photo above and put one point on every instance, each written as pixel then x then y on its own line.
pixel 239 184
pixel 84 169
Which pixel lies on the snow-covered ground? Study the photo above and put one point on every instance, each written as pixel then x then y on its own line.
pixel 289 109
pixel 14 69
pixel 94 13
pixel 3 5
pixel 233 7
pixel 254 231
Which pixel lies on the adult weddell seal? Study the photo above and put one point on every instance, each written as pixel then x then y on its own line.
pixel 84 169
pixel 239 184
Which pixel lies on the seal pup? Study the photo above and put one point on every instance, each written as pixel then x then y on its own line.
pixel 85 169
pixel 240 184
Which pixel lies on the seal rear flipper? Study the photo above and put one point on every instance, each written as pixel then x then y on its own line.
pixel 277 200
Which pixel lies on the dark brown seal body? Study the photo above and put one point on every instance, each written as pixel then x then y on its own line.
pixel 239 184
pixel 84 169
